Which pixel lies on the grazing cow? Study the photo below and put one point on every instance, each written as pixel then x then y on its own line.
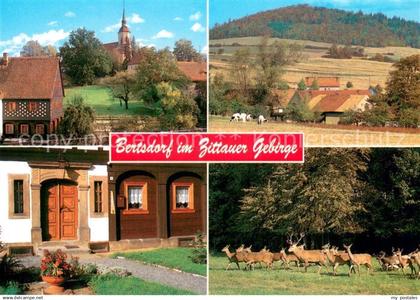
pixel 261 119
pixel 235 117
pixel 242 117
pixel 249 117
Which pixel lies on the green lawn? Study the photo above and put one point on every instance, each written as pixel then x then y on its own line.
pixel 102 101
pixel 113 285
pixel 288 282
pixel 177 258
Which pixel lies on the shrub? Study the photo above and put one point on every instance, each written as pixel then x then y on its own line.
pixel 409 117
pixel 199 254
pixel 302 85
pixel 78 118
pixel 349 84
pixel 11 288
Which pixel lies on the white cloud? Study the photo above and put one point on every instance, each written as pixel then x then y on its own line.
pixel 135 18
pixel 15 44
pixel 205 49
pixel 69 14
pixel 163 34
pixel 52 23
pixel 197 27
pixel 178 19
pixel 196 16
pixel 112 28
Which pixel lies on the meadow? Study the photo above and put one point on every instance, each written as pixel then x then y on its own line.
pixel 288 282
pixel 104 104
pixel 176 258
pixel 362 73
pixel 324 135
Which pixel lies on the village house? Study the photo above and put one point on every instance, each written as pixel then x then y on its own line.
pixel 324 83
pixel 31 95
pixel 74 199
pixel 332 104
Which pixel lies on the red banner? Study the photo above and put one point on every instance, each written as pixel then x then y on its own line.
pixel 206 147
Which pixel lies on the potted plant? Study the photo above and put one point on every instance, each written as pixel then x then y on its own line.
pixel 55 270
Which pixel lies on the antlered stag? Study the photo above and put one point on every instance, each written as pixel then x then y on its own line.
pixel 308 256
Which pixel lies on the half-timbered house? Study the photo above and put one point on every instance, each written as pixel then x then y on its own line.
pixel 31 95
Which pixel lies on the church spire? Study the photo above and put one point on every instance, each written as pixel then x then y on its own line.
pixel 123 22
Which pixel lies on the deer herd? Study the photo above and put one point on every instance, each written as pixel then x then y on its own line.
pixel 327 256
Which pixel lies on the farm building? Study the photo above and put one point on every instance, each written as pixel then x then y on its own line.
pixel 31 95
pixel 77 200
pixel 324 83
pixel 332 104
pixel 279 102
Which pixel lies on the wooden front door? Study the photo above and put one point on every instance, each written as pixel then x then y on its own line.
pixel 61 221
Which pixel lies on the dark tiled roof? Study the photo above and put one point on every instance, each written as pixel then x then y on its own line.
pixel 29 77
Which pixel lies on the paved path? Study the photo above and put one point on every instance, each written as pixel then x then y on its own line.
pixel 180 280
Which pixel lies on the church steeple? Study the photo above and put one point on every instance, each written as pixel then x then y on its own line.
pixel 123 21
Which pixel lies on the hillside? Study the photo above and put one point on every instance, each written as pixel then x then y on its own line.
pixel 361 72
pixel 304 22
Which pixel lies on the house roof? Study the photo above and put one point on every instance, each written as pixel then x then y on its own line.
pixel 333 101
pixel 323 81
pixel 110 46
pixel 29 77
pixel 135 60
pixel 283 97
pixel 195 71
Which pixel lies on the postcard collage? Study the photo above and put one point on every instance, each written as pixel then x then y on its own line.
pixel 209 147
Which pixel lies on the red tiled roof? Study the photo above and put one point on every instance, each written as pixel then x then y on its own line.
pixel 283 97
pixel 110 46
pixel 135 60
pixel 323 81
pixel 29 77
pixel 195 71
pixel 332 101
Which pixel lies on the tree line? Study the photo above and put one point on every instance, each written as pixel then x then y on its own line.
pixel 367 196
pixel 320 24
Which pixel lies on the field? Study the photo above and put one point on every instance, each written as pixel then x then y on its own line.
pixel 177 258
pixel 104 104
pixel 322 136
pixel 362 73
pixel 288 282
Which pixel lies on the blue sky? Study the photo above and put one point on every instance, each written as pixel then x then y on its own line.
pixel 222 10
pixel 153 22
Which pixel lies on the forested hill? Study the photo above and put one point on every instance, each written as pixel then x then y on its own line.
pixel 304 22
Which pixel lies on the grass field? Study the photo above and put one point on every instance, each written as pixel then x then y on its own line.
pixel 113 285
pixel 288 282
pixel 318 136
pixel 362 73
pixel 102 101
pixel 177 258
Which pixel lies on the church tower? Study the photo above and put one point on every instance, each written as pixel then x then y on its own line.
pixel 124 33
pixel 124 39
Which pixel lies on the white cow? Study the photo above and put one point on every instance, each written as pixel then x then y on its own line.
pixel 248 117
pixel 235 117
pixel 242 117
pixel 261 119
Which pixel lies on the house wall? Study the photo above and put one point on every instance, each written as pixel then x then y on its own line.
pixel 13 230
pixel 98 225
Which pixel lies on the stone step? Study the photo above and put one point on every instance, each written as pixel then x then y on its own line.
pixel 71 249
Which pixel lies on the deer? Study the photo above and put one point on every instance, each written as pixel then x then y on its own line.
pixel 231 256
pixel 359 259
pixel 308 256
pixel 415 259
pixel 287 258
pixel 404 261
pixel 387 262
pixel 263 255
pixel 335 257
